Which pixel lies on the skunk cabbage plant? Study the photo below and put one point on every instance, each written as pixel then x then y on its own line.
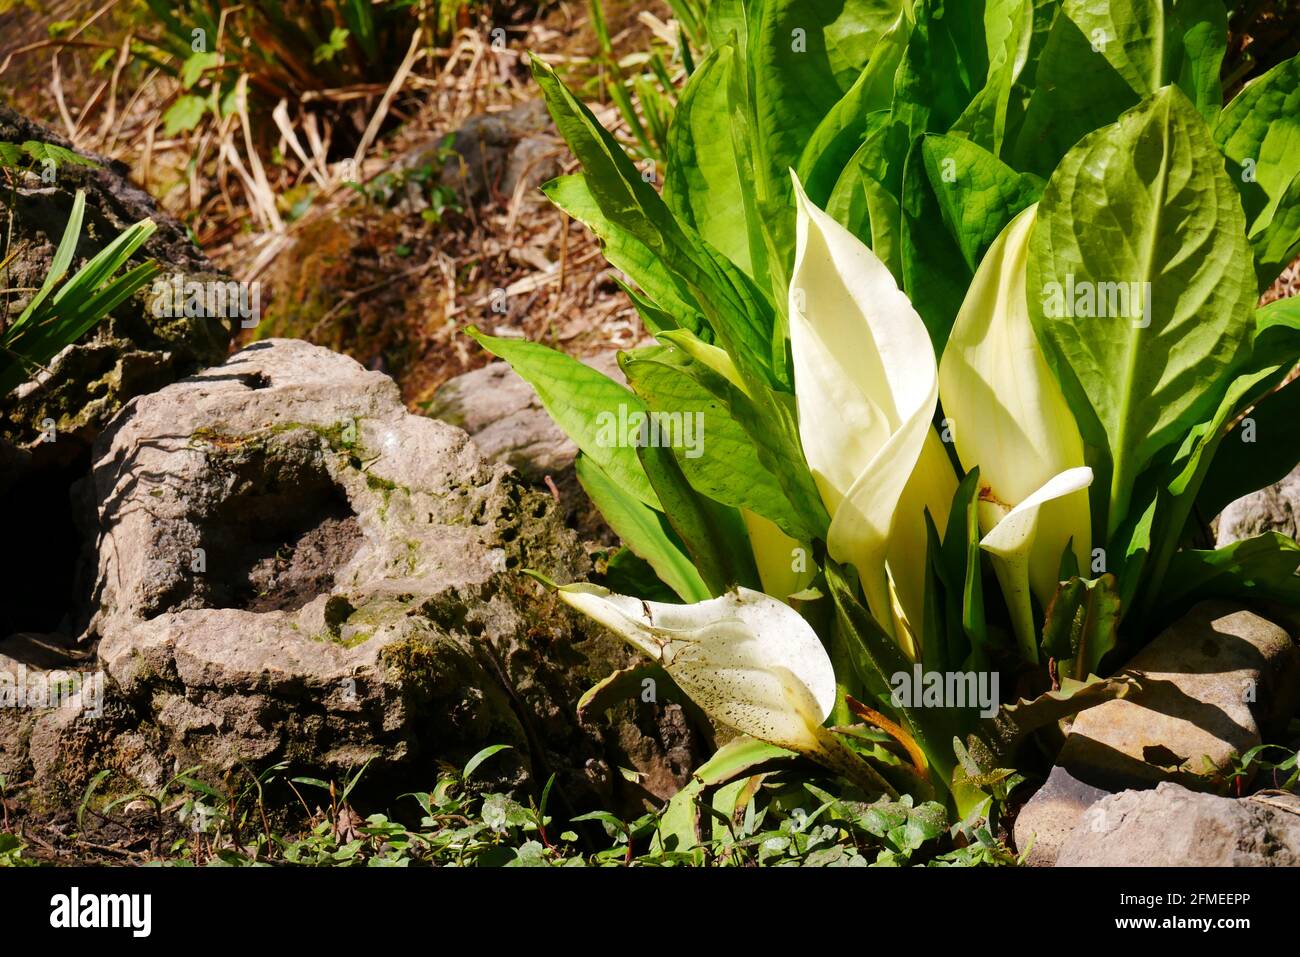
pixel 956 349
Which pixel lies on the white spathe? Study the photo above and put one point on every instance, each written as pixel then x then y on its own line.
pixel 747 659
pixel 866 388
pixel 1004 407
pixel 1009 418
pixel 1014 545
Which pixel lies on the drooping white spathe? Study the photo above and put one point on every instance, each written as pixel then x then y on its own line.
pixel 1012 544
pixel 748 660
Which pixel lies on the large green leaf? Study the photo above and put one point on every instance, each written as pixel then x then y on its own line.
pixel 734 307
pixel 1081 625
pixel 703 184
pixel 861 110
pixel 714 534
pixel 865 198
pixel 833 143
pixel 593 410
pixel 803 56
pixel 627 253
pixel 1151 43
pixel 1261 450
pixel 1277 334
pixel 1259 131
pixel 1145 201
pixel 643 530
pixel 1201 30
pixel 1198 476
pixel 935 276
pixel 771 419
pixel 723 462
pixel 1009 29
pixel 978 194
pixel 1264 446
pixel 946 64
pixel 725 21
pixel 1075 92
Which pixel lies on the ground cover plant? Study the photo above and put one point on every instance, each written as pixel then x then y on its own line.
pixel 460 823
pixel 960 304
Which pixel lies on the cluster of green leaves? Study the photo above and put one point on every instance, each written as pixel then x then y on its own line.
pixel 33 154
pixel 60 312
pixel 925 127
pixel 390 185
pixel 281 49
pixel 787 821
pixel 643 85
pixel 1280 767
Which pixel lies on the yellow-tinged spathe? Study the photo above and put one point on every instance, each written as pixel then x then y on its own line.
pixel 1008 416
pixel 866 388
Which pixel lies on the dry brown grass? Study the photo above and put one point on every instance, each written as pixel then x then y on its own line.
pixel 381 284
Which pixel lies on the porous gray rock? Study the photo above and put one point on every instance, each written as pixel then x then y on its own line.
pixel 1272 509
pixel 48 423
pixel 505 418
pixel 498 154
pixel 291 566
pixel 1209 683
pixel 1172 826
pixel 503 415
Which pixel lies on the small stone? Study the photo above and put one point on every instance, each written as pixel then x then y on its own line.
pixel 1052 813
pixel 1272 509
pixel 1208 684
pixel 1172 826
pixel 504 417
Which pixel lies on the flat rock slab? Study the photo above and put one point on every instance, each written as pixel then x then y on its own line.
pixel 1208 683
pixel 1174 827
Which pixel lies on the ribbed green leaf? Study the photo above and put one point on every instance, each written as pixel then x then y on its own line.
pixel 703 183
pixel 1259 131
pixel 588 406
pixel 1141 207
pixel 627 253
pixel 643 530
pixel 714 534
pixel 1075 92
pixel 977 193
pixel 724 464
pixel 1264 567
